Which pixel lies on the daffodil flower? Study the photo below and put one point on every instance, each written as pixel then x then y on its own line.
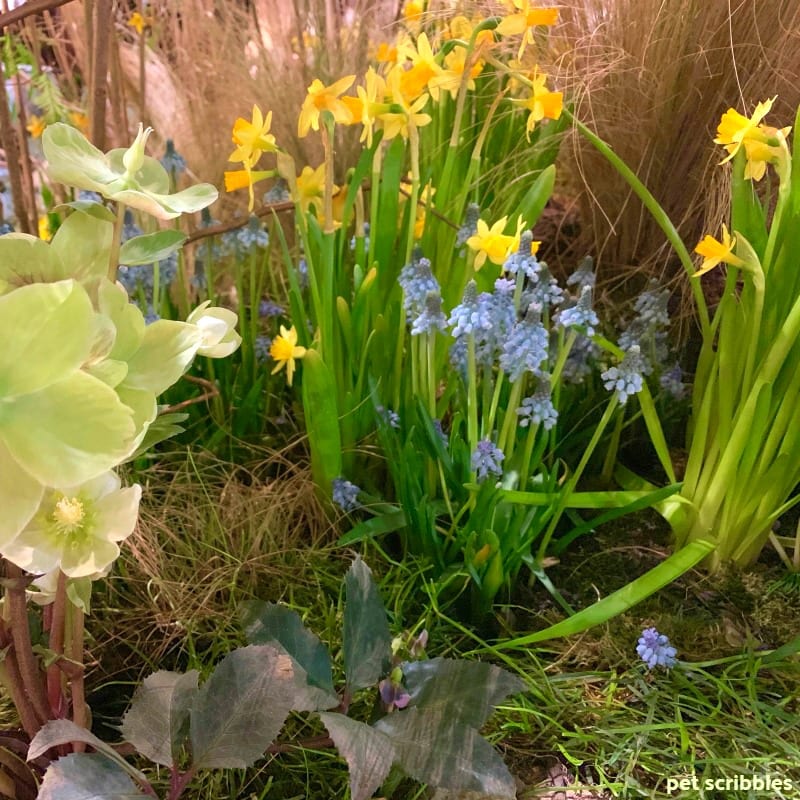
pixel 77 529
pixel 715 252
pixel 125 175
pixel 523 19
pixel 139 23
pixel 542 103
pixel 492 243
pixel 252 136
pixel 734 128
pixel 35 126
pixel 321 98
pixel 285 350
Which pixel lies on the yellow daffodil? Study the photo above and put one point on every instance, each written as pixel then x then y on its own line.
pixel 285 350
pixel 715 252
pixel 424 67
pixel 140 22
pixel 251 137
pixel 35 126
pixel 324 98
pixel 396 123
pixel 412 14
pixel 450 78
pixel 542 103
pixel 80 121
pixel 369 103
pixel 386 54
pixel 522 19
pixel 492 243
pixel 734 128
pixel 44 228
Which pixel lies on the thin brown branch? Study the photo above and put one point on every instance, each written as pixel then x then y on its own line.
pixel 8 137
pixel 224 227
pixel 102 36
pixel 28 9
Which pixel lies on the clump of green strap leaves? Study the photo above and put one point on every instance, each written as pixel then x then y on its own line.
pixel 233 718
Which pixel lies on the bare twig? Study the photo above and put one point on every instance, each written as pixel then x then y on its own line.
pixel 28 9
pixel 102 35
pixel 211 391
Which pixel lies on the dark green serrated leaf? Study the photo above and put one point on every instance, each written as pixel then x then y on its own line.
pixel 466 690
pixel 87 777
pixel 366 638
pixel 157 722
pixel 241 708
pixel 368 752
pixel 64 731
pixel 264 623
pixel 435 747
pixel 150 247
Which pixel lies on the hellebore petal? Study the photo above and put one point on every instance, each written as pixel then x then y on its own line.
pixel 67 432
pixel 21 494
pixel 217 327
pixel 47 330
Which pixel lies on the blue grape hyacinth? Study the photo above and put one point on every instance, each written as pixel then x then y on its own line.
pixel 626 378
pixel 345 494
pixel 655 650
pixel 487 460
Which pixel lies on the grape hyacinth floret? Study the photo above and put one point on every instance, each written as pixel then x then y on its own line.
pixel 584 275
pixel 538 409
pixel 671 382
pixel 473 314
pixel 252 236
pixel 523 260
pixel 486 460
pixel 525 349
pixel 172 161
pixel 545 291
pixel 626 378
pixel 432 317
pixel 417 280
pixel 655 650
pixel 345 494
pixel 470 226
pixel 581 315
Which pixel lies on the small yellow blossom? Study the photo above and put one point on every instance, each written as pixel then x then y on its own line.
pixel 369 103
pixel 80 121
pixel 412 14
pixel 396 123
pixel 492 243
pixel 424 67
pixel 240 178
pixel 734 128
pixel 450 78
pixel 386 54
pixel 523 19
pixel 140 22
pixel 715 252
pixel 252 136
pixel 324 98
pixel 285 350
pixel 36 126
pixel 542 103
pixel 44 228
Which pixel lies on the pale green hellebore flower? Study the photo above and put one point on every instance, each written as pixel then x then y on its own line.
pixel 125 175
pixel 217 326
pixel 59 425
pixel 77 528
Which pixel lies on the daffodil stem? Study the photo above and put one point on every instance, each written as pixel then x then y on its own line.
pixel 413 144
pixel 116 241
pixel 653 206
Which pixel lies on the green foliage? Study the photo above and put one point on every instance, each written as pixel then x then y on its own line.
pixel 236 714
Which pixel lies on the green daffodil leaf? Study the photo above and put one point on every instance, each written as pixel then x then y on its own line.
pixel 47 330
pixel 21 495
pixel 91 432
